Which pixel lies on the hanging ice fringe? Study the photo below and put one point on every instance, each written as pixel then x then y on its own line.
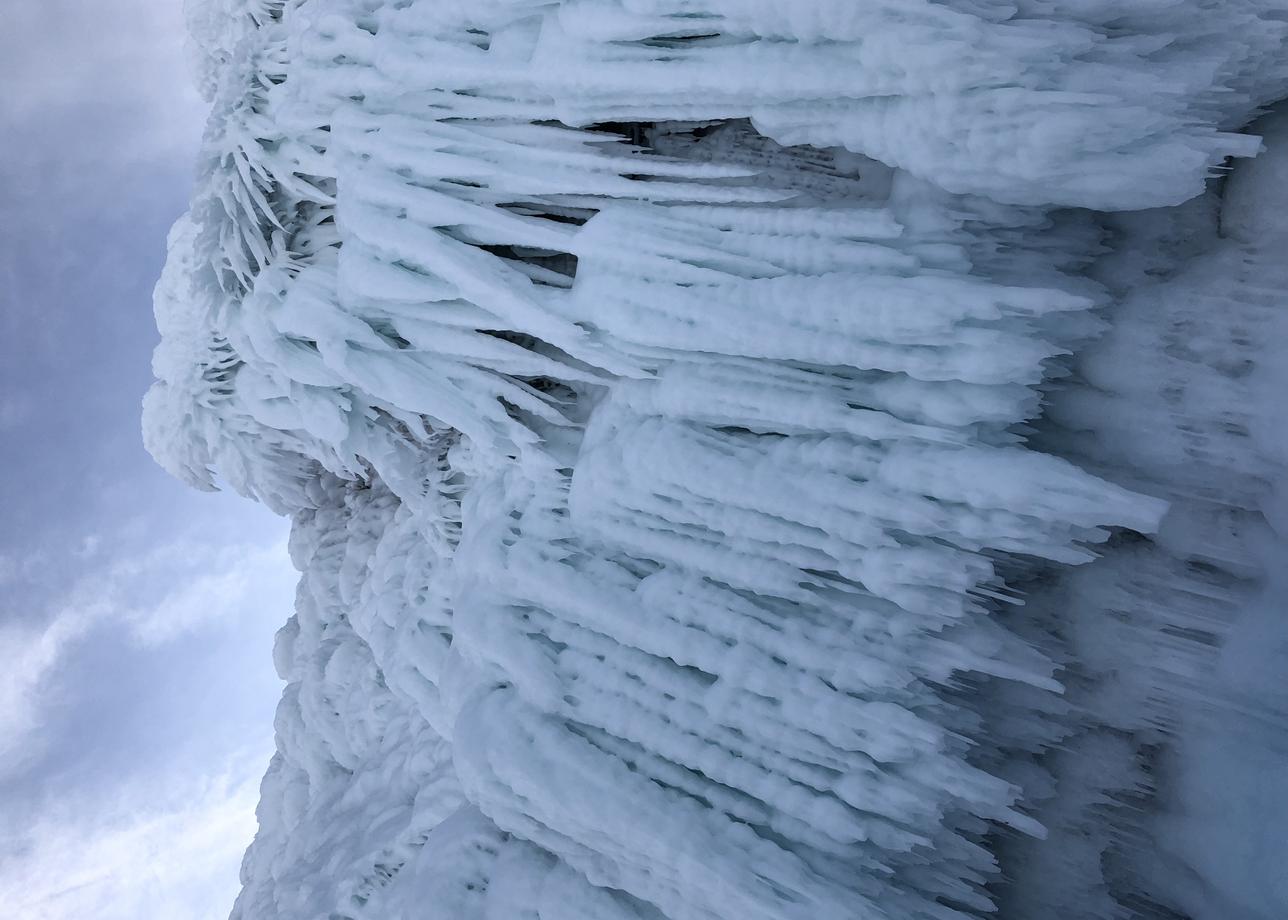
pixel 691 413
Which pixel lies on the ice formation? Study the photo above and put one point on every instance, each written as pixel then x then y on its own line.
pixel 740 468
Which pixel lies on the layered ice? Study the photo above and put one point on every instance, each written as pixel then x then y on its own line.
pixel 701 423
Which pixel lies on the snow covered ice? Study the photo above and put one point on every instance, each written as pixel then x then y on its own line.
pixel 751 460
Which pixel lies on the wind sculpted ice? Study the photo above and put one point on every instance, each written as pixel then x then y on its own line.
pixel 653 386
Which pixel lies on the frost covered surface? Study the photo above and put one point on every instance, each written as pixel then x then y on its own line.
pixel 658 391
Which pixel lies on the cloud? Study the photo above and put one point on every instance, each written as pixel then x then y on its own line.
pixel 15 408
pixel 226 579
pixel 156 850
pixel 213 582
pixel 124 653
pixel 127 55
pixel 150 834
pixel 30 655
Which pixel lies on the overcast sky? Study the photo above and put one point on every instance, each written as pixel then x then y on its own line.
pixel 136 616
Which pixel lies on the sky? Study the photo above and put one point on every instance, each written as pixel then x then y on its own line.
pixel 136 615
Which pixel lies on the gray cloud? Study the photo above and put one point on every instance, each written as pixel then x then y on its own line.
pixel 173 589
pixel 154 848
pixel 135 615
pixel 127 58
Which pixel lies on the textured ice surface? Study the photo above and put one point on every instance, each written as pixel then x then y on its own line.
pixel 697 419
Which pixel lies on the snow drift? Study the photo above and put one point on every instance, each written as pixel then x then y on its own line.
pixel 729 445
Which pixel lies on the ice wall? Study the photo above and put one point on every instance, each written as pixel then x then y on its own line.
pixel 657 389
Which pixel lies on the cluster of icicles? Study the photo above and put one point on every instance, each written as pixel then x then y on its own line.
pixel 648 383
